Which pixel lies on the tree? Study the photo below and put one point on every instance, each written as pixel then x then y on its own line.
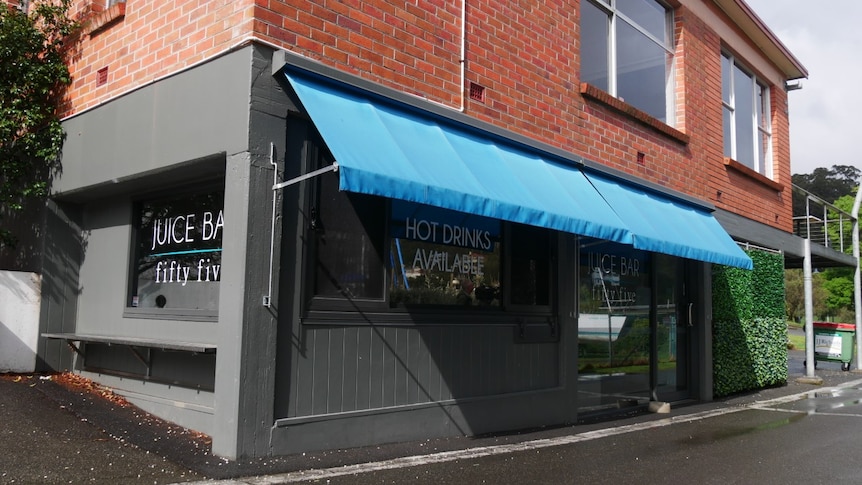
pixel 33 77
pixel 794 295
pixel 827 183
pixel 838 283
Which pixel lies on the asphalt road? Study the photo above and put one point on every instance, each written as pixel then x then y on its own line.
pixel 53 433
pixel 804 441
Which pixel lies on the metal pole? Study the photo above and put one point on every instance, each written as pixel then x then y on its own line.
pixel 809 309
pixel 857 287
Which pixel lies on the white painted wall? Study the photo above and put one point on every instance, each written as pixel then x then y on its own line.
pixel 19 320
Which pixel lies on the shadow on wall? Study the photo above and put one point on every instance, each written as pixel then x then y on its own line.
pixel 19 320
pixel 27 226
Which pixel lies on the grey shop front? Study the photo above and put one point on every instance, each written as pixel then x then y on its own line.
pixel 365 267
pixel 449 280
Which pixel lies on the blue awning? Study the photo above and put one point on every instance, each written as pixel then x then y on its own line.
pixel 662 224
pixel 390 149
pixel 387 149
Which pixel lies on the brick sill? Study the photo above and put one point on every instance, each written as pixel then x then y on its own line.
pixel 104 19
pixel 757 177
pixel 596 94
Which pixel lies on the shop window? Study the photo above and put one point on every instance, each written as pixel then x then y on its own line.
pixel 346 234
pixel 443 257
pixel 747 131
pixel 370 253
pixel 178 247
pixel 627 50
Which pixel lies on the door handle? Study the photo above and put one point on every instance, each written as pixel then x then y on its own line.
pixel 690 320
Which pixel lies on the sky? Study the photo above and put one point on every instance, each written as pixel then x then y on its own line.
pixel 826 114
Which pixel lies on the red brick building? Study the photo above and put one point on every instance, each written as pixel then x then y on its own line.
pixel 502 201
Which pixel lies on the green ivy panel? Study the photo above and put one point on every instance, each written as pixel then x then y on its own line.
pixel 749 331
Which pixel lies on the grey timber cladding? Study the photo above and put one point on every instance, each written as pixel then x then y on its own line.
pixel 370 367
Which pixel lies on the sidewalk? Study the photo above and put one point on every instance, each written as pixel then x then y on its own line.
pixel 61 429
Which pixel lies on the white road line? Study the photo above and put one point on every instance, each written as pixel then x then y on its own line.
pixel 483 451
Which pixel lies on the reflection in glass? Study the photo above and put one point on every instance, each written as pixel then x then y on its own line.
pixel 443 257
pixel 726 86
pixel 649 15
pixel 595 34
pixel 671 330
pixel 347 230
pixel 643 68
pixel 744 110
pixel 727 127
pixel 613 326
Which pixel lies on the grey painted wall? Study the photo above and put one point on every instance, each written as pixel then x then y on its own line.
pixel 63 252
pixel 172 133
pixel 191 115
pixel 245 370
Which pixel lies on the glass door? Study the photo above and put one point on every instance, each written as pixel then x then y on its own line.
pixel 614 331
pixel 673 321
pixel 633 328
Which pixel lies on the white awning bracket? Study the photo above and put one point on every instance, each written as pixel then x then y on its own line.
pixel 273 161
pixel 331 168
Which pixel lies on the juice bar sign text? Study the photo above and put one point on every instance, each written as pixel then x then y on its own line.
pixel 186 248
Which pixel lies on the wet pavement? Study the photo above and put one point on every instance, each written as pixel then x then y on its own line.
pixel 54 429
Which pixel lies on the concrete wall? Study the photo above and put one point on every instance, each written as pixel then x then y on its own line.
pixel 19 320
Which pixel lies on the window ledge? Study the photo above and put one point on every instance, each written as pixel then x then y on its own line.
pixel 171 314
pixel 596 94
pixel 757 177
pixel 103 19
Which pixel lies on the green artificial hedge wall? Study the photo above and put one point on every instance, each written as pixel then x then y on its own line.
pixel 749 330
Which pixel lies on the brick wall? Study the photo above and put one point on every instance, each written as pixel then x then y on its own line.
pixel 524 55
pixel 138 41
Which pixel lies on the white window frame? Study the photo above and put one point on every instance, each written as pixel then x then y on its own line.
pixel 609 7
pixel 761 126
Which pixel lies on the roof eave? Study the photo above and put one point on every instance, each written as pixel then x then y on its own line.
pixel 766 40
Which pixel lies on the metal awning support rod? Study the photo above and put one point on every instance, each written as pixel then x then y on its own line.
pixel 266 301
pixel 331 168
pixel 857 278
pixel 809 309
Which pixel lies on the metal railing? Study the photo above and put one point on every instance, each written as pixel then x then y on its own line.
pixel 822 223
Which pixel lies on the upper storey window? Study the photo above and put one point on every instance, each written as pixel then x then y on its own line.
pixel 747 132
pixel 626 49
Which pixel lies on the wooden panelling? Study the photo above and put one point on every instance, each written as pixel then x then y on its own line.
pixel 365 367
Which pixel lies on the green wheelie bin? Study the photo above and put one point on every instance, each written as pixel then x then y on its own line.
pixel 834 342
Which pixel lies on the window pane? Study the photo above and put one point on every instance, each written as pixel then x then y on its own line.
pixel 443 257
pixel 763 153
pixel 648 15
pixel 348 230
pixel 744 110
pixel 531 265
pixel 179 252
pixel 726 86
pixel 728 133
pixel 595 30
pixel 762 107
pixel 642 72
